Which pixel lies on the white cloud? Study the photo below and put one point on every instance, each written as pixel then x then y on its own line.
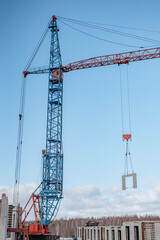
pixel 89 191
pixel 8 191
pixel 25 192
pixel 89 200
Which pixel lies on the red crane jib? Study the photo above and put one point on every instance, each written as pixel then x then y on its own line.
pixel 118 58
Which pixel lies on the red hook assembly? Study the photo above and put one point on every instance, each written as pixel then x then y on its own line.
pixel 127 137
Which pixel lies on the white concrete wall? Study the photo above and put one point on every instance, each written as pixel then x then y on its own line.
pixel 131 226
pixel 157 229
pixel 4 218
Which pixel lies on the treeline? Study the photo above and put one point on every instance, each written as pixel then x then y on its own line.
pixel 68 228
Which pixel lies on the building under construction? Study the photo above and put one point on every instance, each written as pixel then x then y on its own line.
pixel 10 224
pixel 146 230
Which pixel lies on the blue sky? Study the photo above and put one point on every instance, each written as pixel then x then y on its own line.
pixel 92 133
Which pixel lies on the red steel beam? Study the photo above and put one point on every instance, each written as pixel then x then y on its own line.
pixel 118 58
pixel 20 230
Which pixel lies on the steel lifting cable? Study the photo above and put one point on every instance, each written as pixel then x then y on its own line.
pixel 36 49
pixel 121 99
pixel 110 30
pixel 19 143
pixel 129 108
pixel 128 172
pixel 99 38
pixel 105 24
pixel 127 160
pixel 128 100
pixel 21 121
pixel 126 137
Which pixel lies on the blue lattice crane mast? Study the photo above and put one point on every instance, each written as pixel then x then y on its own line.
pixel 52 179
pixel 47 196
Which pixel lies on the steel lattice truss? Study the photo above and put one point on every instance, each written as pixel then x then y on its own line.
pixel 106 60
pixel 118 58
pixel 52 182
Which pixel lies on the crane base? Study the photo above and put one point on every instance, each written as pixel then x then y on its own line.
pixel 42 237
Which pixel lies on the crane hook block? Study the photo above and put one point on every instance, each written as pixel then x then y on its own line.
pixel 127 137
pixel 43 151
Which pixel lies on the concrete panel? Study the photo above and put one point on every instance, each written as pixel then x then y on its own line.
pixel 157 230
pixel 134 179
pixel 4 217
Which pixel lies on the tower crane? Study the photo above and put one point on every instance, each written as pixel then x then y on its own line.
pixel 47 196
